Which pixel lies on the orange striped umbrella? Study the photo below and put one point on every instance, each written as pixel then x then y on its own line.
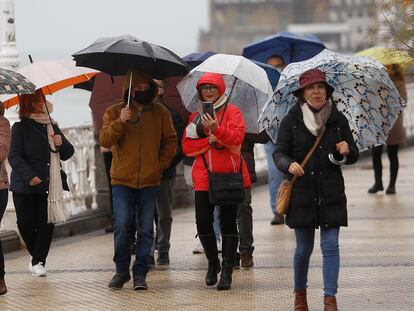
pixel 51 76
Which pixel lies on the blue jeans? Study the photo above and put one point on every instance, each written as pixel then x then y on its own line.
pixel 125 201
pixel 330 258
pixel 274 175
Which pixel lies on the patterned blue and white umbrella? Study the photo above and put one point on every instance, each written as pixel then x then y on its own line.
pixel 364 93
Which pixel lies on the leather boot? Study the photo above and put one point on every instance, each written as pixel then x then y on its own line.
pixel 229 248
pixel 330 303
pixel 3 287
pixel 210 249
pixel 301 303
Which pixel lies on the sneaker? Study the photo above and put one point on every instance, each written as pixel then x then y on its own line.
pixel 39 270
pixel 236 261
pixel 163 259
pixel 219 246
pixel 246 260
pixel 151 261
pixel 198 249
pixel 139 283
pixel 278 219
pixel 118 280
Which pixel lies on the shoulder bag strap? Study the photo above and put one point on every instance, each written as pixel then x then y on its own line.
pixel 310 153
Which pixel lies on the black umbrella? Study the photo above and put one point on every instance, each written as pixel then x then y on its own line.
pixel 116 55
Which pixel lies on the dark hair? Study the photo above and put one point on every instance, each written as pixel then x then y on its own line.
pixel 25 103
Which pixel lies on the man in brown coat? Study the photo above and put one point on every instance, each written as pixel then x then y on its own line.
pixel 143 142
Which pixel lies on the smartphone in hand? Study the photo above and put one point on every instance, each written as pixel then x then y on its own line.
pixel 208 108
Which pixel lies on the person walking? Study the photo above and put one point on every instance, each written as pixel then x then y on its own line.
pixel 318 196
pixel 215 142
pixel 245 211
pixel 165 195
pixel 395 139
pixel 4 184
pixel 274 175
pixel 36 177
pixel 143 141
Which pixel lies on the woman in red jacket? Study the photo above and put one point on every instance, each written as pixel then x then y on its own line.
pixel 218 138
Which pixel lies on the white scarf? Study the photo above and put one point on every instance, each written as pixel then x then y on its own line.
pixel 56 210
pixel 315 121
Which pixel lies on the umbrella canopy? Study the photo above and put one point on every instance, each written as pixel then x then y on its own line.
pixel 246 83
pixel 116 55
pixel 388 56
pixel 364 93
pixel 12 82
pixel 292 47
pixel 51 76
pixel 196 58
pixel 106 91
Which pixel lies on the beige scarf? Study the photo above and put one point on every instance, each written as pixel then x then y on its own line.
pixel 315 121
pixel 56 210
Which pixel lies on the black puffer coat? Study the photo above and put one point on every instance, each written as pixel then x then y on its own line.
pixel 318 197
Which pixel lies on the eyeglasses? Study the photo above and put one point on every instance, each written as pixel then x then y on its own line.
pixel 205 88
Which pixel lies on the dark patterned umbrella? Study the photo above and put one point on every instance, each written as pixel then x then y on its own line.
pixel 12 82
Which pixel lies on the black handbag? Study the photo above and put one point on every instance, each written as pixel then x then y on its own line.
pixel 225 189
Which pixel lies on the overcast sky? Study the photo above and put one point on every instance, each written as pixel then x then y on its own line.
pixel 58 28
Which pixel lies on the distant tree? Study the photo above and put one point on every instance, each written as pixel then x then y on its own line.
pixel 399 23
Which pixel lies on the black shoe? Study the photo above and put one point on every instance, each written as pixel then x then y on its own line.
pixel 139 283
pixel 213 268
pixel 375 188
pixel 163 259
pixel 278 219
pixel 236 261
pixel 109 229
pixel 118 280
pixel 151 261
pixel 225 279
pixel 390 190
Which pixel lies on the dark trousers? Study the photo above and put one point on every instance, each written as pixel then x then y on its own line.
pixel 204 216
pixel 107 156
pixel 4 194
pixel 392 151
pixel 31 212
pixel 245 224
pixel 164 215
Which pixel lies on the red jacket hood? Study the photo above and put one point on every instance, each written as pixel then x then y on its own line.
pixel 213 78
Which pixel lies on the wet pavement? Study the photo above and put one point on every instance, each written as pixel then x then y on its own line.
pixel 377 262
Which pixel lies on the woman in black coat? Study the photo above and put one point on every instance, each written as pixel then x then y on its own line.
pixel 37 146
pixel 318 196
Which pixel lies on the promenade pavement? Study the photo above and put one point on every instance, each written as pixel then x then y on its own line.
pixel 377 262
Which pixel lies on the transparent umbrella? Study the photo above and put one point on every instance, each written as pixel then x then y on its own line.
pixel 247 86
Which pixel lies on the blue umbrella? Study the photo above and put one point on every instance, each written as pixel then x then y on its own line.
pixel 292 47
pixel 195 59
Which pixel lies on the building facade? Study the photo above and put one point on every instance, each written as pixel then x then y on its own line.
pixel 344 25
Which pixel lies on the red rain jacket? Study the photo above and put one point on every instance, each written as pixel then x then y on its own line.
pixel 230 134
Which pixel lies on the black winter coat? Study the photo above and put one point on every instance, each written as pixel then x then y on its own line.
pixel 247 150
pixel 318 197
pixel 29 156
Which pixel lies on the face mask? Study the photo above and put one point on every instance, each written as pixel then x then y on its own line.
pixel 143 97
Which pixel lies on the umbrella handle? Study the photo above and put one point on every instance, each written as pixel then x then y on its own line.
pixel 129 90
pixel 335 161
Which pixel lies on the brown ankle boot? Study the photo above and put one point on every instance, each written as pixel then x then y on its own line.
pixel 3 287
pixel 330 303
pixel 301 304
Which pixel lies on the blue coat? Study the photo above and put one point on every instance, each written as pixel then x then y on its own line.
pixel 29 156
